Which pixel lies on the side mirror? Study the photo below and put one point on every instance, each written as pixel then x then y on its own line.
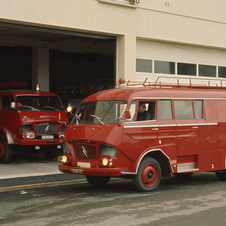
pixel 19 105
pixel 127 114
pixel 13 105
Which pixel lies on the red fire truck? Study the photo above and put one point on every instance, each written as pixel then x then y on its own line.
pixel 30 119
pixel 185 133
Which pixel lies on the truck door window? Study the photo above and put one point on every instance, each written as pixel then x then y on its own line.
pixel 165 110
pixel 6 100
pixel 146 110
pixel 198 109
pixel 183 109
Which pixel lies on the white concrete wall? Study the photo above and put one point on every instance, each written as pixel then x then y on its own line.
pixel 172 52
pixel 40 68
pixel 194 22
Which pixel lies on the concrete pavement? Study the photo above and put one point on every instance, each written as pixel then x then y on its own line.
pixel 32 170
pixel 28 169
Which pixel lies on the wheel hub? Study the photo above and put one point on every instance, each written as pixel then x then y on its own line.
pixel 149 175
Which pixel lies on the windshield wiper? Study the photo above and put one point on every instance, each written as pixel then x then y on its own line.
pixel 118 118
pixel 77 118
pixel 51 108
pixel 98 118
pixel 32 108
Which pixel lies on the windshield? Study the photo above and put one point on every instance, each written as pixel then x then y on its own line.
pixel 39 103
pixel 100 112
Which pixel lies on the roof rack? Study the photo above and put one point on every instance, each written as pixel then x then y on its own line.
pixel 11 85
pixel 180 82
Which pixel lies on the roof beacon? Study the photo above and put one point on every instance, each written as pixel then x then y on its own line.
pixel 37 87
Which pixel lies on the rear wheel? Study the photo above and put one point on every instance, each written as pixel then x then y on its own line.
pixel 221 174
pixel 5 150
pixel 98 181
pixel 148 176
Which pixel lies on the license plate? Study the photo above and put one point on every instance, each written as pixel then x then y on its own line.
pixel 46 137
pixel 83 164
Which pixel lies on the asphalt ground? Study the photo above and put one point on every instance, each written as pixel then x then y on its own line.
pixel 32 170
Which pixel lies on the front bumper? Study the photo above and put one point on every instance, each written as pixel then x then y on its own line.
pixel 111 172
pixel 38 142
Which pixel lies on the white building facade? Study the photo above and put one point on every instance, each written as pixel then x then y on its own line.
pixel 170 38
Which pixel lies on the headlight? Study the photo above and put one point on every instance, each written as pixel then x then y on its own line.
pixel 64 159
pixel 105 161
pixel 30 135
pixel 65 149
pixel 107 150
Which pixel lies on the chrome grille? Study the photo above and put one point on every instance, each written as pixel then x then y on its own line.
pixel 46 128
pixel 85 151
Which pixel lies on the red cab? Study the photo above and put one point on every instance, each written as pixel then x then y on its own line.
pixel 30 119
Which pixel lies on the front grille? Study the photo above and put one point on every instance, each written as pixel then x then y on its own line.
pixel 85 151
pixel 46 128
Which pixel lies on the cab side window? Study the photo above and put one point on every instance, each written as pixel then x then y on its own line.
pixel 5 102
pixel 183 109
pixel 165 110
pixel 198 109
pixel 146 110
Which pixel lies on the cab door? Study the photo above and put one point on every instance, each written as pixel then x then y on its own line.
pixel 212 130
pixel 140 136
pixel 8 117
pixel 167 129
pixel 187 128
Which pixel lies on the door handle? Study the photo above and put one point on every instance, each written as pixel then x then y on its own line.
pixel 155 129
pixel 195 127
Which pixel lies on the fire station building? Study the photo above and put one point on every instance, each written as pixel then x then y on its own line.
pixel 77 47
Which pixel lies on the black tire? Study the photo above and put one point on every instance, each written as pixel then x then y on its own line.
pixel 221 175
pixel 182 175
pixel 50 152
pixel 5 150
pixel 98 181
pixel 148 176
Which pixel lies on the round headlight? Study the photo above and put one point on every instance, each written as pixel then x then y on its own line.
pixel 30 135
pixel 64 159
pixel 105 161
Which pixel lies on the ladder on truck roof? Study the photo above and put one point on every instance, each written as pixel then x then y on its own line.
pixel 180 82
pixel 11 85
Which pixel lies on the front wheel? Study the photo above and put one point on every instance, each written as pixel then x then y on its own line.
pixel 5 150
pixel 98 181
pixel 148 176
pixel 221 175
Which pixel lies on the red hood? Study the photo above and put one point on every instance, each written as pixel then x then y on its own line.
pixel 109 134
